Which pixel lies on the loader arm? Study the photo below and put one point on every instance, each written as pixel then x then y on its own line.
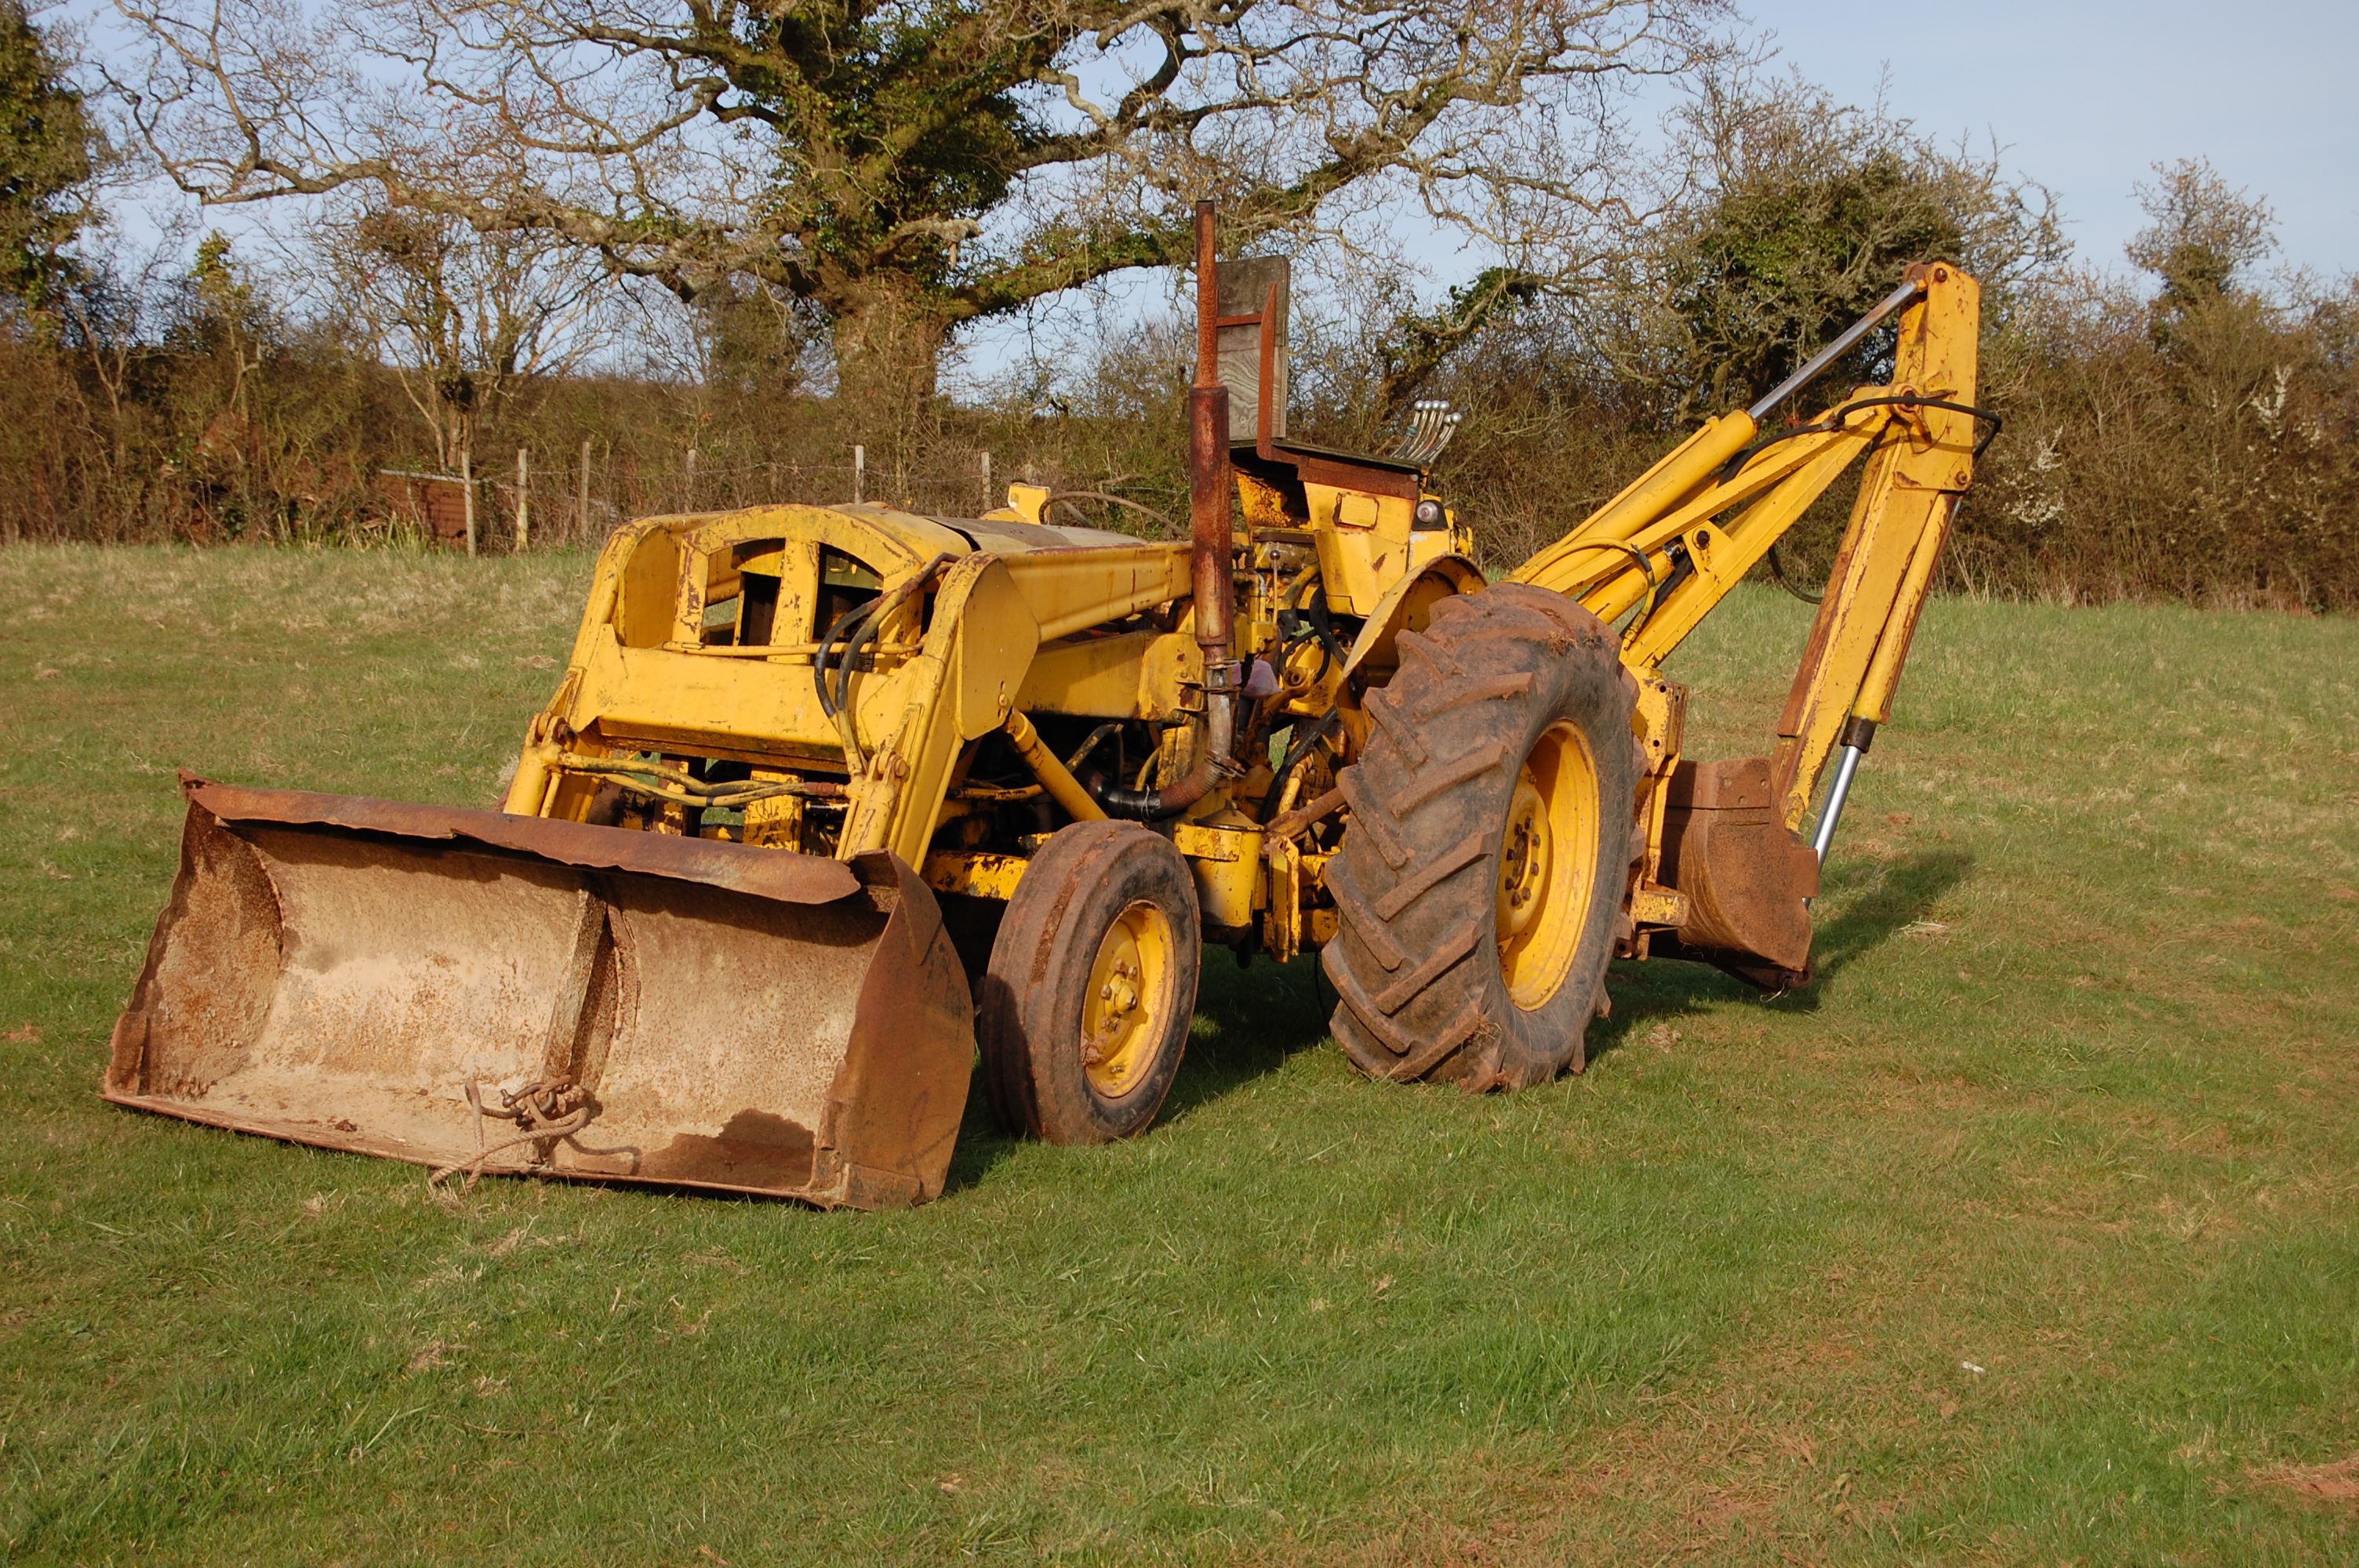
pixel 1668 549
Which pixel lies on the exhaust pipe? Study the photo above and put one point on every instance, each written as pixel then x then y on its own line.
pixel 1212 558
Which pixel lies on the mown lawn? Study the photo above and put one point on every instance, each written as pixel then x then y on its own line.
pixel 2029 1234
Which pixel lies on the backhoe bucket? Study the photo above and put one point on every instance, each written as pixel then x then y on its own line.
pixel 429 984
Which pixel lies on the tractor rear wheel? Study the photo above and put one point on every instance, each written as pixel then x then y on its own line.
pixel 1482 878
pixel 1091 986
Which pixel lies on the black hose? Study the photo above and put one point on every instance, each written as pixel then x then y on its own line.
pixel 1777 570
pixel 1294 752
pixel 1834 423
pixel 1137 804
pixel 819 662
pixel 867 632
pixel 1142 804
pixel 1320 623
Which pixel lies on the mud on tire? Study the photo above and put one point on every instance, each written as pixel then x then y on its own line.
pixel 1086 1004
pixel 1506 695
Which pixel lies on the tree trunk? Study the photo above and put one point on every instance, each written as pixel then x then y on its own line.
pixel 886 349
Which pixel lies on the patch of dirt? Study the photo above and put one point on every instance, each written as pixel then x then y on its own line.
pixel 2334 1483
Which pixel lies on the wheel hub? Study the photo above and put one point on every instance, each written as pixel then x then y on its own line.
pixel 1523 858
pixel 1123 1011
pixel 1548 865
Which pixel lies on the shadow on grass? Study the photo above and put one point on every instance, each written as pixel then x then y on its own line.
pixel 1248 1023
pixel 1878 899
pixel 982 1141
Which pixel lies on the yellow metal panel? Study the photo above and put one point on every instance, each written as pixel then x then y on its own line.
pixel 1282 931
pixel 1202 843
pixel 1658 906
pixel 975 873
pixel 1407 605
pixel 1092 676
pixel 1134 674
pixel 649 587
pixel 778 821
pixel 1025 504
pixel 649 693
pixel 1225 857
pixel 1363 543
pixel 996 637
pixel 1071 590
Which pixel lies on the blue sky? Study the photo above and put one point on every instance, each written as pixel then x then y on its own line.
pixel 2085 95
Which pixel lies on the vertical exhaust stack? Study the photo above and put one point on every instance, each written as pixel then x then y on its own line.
pixel 1207 461
pixel 1212 558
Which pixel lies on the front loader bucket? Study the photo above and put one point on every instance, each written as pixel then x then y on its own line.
pixel 381 977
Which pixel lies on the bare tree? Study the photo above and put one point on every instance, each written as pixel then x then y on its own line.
pixel 906 169
pixel 465 319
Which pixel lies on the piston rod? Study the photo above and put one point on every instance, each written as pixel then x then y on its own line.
pixel 1835 351
pixel 1857 736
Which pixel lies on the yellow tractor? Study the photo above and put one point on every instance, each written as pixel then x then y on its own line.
pixel 829 796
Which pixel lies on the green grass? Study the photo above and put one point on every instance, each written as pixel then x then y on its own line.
pixel 2076 1104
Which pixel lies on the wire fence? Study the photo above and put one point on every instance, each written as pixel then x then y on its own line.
pixel 535 504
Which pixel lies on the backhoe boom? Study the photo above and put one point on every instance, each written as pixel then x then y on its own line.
pixel 1671 545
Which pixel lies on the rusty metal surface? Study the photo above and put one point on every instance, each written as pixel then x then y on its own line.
pixel 1746 877
pixel 1302 816
pixel 340 972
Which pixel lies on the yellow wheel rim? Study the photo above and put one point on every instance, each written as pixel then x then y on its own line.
pixel 1548 866
pixel 1128 1006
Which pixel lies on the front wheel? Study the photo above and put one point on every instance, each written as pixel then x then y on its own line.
pixel 1481 882
pixel 1091 986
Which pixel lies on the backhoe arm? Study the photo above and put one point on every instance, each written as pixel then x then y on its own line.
pixel 1670 546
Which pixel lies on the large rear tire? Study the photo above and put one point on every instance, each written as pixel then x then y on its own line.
pixel 1091 986
pixel 1481 880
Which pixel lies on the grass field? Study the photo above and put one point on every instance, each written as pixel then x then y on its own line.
pixel 2029 1234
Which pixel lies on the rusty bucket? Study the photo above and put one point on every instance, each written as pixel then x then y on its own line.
pixel 505 994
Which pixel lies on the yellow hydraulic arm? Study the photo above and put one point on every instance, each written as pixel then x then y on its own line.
pixel 1673 544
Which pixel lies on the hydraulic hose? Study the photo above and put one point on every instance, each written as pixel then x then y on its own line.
pixel 1158 804
pixel 1310 736
pixel 843 627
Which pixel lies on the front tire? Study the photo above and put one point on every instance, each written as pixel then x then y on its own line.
pixel 1091 986
pixel 1481 880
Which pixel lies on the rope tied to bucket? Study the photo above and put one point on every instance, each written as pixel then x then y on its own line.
pixel 548 1112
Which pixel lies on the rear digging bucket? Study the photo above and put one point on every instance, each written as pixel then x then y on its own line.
pixel 427 983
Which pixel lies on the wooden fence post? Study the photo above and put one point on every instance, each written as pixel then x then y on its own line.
pixel 859 472
pixel 523 502
pixel 582 505
pixel 467 495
